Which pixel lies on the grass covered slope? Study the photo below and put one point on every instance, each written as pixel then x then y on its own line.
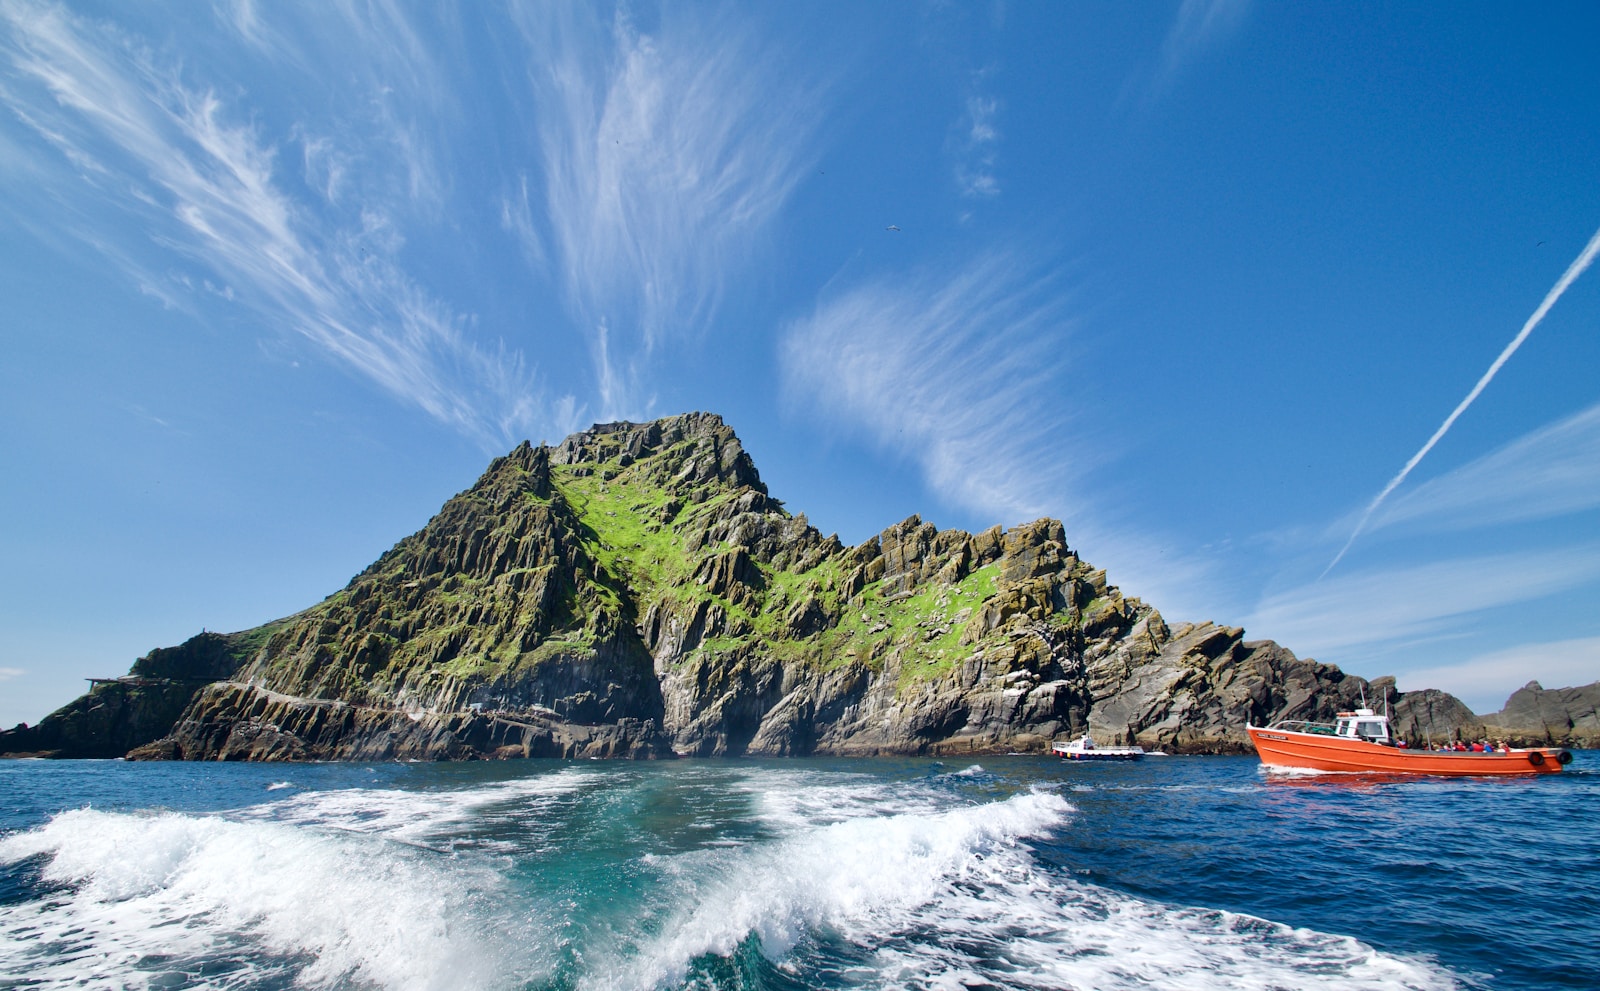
pixel 636 591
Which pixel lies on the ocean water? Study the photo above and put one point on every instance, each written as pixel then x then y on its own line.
pixel 1000 872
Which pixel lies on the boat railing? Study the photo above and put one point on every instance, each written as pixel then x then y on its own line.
pixel 1303 726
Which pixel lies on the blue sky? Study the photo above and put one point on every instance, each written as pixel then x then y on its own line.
pixel 1197 278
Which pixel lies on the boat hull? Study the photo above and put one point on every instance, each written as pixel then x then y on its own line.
pixel 1067 751
pixel 1094 756
pixel 1312 751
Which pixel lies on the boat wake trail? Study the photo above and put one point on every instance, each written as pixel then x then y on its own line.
pixel 713 877
pixel 170 900
pixel 956 898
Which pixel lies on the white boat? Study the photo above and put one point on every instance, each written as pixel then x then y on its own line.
pixel 1083 748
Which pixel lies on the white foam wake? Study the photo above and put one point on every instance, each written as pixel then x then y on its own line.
pixel 830 877
pixel 430 818
pixel 956 899
pixel 147 898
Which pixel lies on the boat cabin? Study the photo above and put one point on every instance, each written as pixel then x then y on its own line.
pixel 1362 724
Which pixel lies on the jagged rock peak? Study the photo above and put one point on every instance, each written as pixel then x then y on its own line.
pixel 1568 716
pixel 525 470
pixel 704 447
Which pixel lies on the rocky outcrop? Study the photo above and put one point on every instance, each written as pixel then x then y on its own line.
pixel 635 591
pixel 1535 715
pixel 1194 689
pixel 236 721
pixel 119 715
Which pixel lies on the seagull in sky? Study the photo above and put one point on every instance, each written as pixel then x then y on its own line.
pixel 891 227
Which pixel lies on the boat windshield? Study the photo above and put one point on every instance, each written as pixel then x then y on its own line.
pixel 1361 728
pixel 1303 726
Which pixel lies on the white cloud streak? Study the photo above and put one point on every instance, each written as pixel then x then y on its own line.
pixel 1198 26
pixel 1485 681
pixel 1550 472
pixel 953 370
pixel 665 156
pixel 517 219
pixel 962 373
pixel 1577 268
pixel 205 186
pixel 1387 605
pixel 975 172
pixel 6 674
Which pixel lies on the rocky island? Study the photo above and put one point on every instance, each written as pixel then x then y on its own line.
pixel 636 592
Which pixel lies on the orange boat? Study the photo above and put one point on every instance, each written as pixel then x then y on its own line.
pixel 1360 741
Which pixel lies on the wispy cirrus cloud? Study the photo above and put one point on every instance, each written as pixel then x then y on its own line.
pixel 962 371
pixel 1549 472
pixel 949 369
pixel 1579 265
pixel 979 137
pixel 6 674
pixel 1393 604
pixel 244 18
pixel 1198 27
pixel 197 176
pixel 665 155
pixel 517 219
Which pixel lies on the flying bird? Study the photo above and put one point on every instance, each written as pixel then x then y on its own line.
pixel 891 227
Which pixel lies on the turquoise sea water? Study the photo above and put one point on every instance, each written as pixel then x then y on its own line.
pixel 1006 872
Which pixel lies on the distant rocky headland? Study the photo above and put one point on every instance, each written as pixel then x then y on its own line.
pixel 635 592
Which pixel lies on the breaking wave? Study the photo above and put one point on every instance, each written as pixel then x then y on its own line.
pixel 769 878
pixel 324 889
pixel 956 899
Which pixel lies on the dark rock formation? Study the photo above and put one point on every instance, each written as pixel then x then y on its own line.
pixel 116 716
pixel 1426 717
pixel 1535 715
pixel 635 591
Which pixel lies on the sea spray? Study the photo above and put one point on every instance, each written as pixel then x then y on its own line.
pixel 955 898
pixel 855 869
pixel 1019 874
pixel 428 818
pixel 148 894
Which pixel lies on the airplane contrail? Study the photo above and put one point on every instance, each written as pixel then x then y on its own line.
pixel 1567 278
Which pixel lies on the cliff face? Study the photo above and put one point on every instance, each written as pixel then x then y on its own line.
pixel 1558 716
pixel 635 591
pixel 114 717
